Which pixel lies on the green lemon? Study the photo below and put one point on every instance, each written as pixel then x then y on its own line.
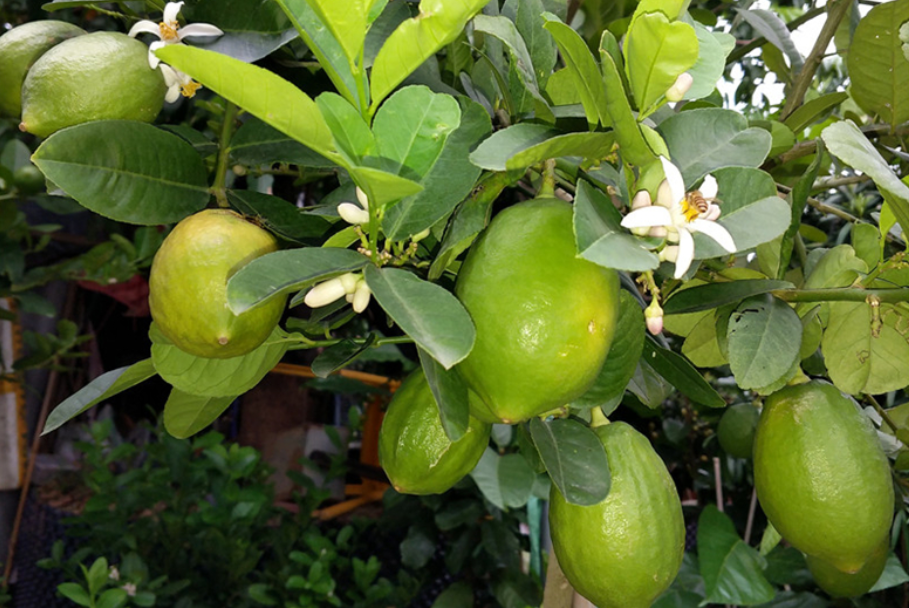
pixel 544 317
pixel 98 76
pixel 626 550
pixel 736 429
pixel 20 48
pixel 414 450
pixel 841 584
pixel 821 476
pixel 188 285
pixel 29 179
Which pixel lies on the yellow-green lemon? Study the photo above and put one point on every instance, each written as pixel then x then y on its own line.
pixel 544 317
pixel 736 429
pixel 104 75
pixel 821 476
pixel 20 48
pixel 414 450
pixel 626 550
pixel 841 584
pixel 188 285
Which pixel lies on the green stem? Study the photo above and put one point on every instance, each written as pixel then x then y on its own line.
pixel 842 294
pixel 884 415
pixel 597 418
pixel 547 185
pixel 227 130
pixel 304 343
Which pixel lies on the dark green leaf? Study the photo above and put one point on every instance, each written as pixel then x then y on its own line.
pixel 340 355
pixel 506 481
pixel 574 458
pixel 714 295
pixel 798 199
pixel 682 375
pixel 348 127
pixel 256 143
pixel 458 595
pixel 585 73
pixel 185 414
pixel 810 111
pixel 278 216
pixel 115 167
pixel 894 574
pixel 525 144
pixel 450 393
pixel 769 25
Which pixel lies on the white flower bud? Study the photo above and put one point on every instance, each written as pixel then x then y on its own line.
pixel 669 254
pixel 361 297
pixel 353 214
pixel 677 91
pixel 325 293
pixel 349 281
pixel 653 315
pixel 420 236
pixel 361 196
pixel 664 195
pixel 658 232
pixel 641 200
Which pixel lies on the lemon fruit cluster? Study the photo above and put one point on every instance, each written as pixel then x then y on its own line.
pixel 544 317
pixel 20 48
pixel 414 450
pixel 188 285
pixel 104 75
pixel 626 550
pixel 821 476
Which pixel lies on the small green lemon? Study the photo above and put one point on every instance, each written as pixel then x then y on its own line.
pixel 20 48
pixel 414 450
pixel 29 179
pixel 821 476
pixel 736 429
pixel 626 550
pixel 841 584
pixel 188 285
pixel 544 317
pixel 104 75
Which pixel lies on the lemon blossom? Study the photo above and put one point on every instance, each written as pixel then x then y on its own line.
pixel 677 212
pixel 350 286
pixel 177 82
pixel 355 214
pixel 169 31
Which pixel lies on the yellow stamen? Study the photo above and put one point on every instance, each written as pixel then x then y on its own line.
pixel 189 89
pixel 689 210
pixel 169 30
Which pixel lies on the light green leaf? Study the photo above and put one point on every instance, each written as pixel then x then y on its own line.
pixel 810 111
pixel 585 74
pixel 416 40
pixel 215 377
pixel 258 91
pixel 350 131
pixel 383 187
pixel 756 223
pixel 505 481
pixel 525 144
pixel 347 21
pixel 701 346
pixel 103 387
pixel 879 72
pixel 657 51
pixel 115 167
pixel 837 267
pixel 894 574
pixel 428 313
pixel 769 25
pixel 450 393
pixel 628 135
pixel 574 458
pixel 281 272
pixel 185 414
pixel 763 341
pixel 711 63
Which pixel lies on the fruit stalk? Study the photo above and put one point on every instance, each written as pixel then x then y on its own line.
pixel 227 130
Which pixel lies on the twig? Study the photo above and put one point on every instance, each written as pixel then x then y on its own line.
pixel 835 182
pixel 718 479
pixel 750 523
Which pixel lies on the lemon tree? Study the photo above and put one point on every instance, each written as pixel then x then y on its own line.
pixel 571 211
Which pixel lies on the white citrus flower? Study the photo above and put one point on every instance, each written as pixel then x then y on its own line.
pixel 169 31
pixel 675 211
pixel 177 82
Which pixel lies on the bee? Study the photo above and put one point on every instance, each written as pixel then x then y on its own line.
pixel 700 202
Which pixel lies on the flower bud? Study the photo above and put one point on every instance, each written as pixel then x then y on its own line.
pixel 640 200
pixel 352 214
pixel 677 91
pixel 658 232
pixel 325 293
pixel 361 196
pixel 420 236
pixel 653 315
pixel 349 281
pixel 361 297
pixel 669 254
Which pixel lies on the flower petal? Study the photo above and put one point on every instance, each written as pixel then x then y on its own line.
pixel 686 254
pixel 198 29
pixel 173 94
pixel 712 213
pixel 676 183
pixel 145 27
pixel 361 297
pixel 171 10
pixel 648 217
pixel 714 231
pixel 709 187
pixel 153 60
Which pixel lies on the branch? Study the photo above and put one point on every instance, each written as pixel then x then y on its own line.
pixel 842 294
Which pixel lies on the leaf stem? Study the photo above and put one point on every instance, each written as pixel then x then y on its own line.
pixel 227 130
pixel 884 415
pixel 842 294
pixel 597 418
pixel 547 185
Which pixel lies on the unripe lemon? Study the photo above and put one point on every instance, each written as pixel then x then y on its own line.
pixel 414 450
pixel 29 179
pixel 20 48
pixel 736 429
pixel 841 584
pixel 188 285
pixel 98 76
pixel 626 550
pixel 821 476
pixel 544 317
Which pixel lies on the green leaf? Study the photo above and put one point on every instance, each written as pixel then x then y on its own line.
pixel 865 350
pixel 281 272
pixel 702 346
pixel 628 134
pixel 446 183
pixel 278 216
pixel 732 571
pixel 412 127
pixel 707 139
pixel 574 458
pixel 810 111
pixel 382 187
pixel 258 91
pixel 253 29
pixel 350 131
pixel 770 26
pixel 429 314
pixel 416 40
pixel 657 51
pixel 103 387
pixel 763 341
pixel 849 144
pixel 185 414
pixel 115 167
pixel 894 574
pixel 751 225
pixel 600 237
pixel 585 74
pixel 450 393
pixel 531 21
pixel 340 356
pixel 621 361
pixel 112 598
pixel 769 539
pixel 798 199
pixel 215 377
pixel 256 143
pixel 75 593
pixel 711 63
pixel 522 145
pixel 458 595
pixel 866 240
pixel 714 295
pixel 347 21
pixel 505 481
pixel 681 374
pixel 878 71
